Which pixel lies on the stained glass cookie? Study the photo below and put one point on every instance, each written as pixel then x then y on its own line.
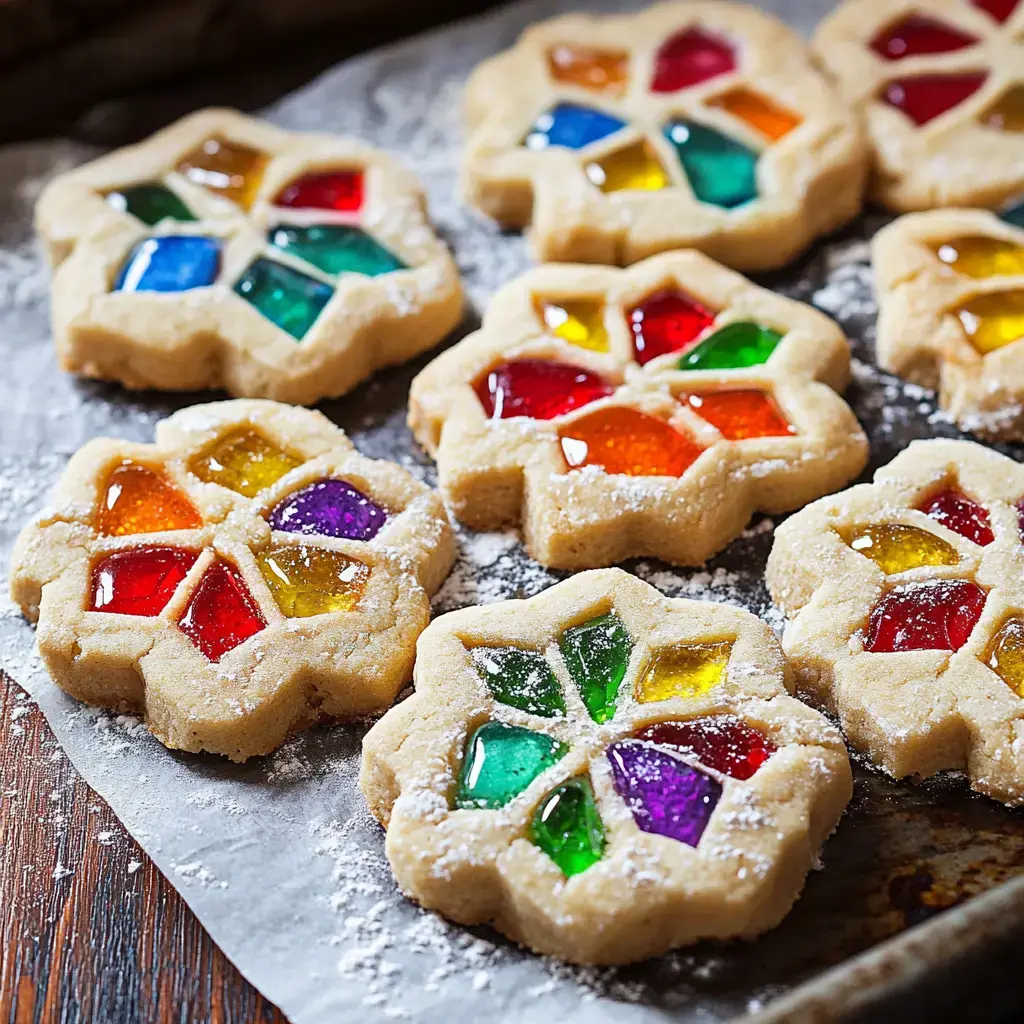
pixel 939 87
pixel 950 286
pixel 647 411
pixel 604 773
pixel 905 596
pixel 225 252
pixel 244 576
pixel 698 124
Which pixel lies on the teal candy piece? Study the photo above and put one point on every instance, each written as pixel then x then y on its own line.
pixel 721 171
pixel 335 248
pixel 170 263
pixel 521 679
pixel 597 655
pixel 568 827
pixel 1014 214
pixel 150 203
pixel 284 296
pixel 500 762
pixel 736 346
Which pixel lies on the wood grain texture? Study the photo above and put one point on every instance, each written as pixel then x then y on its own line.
pixel 90 930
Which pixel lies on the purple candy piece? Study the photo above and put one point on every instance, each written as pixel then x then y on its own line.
pixel 664 795
pixel 329 508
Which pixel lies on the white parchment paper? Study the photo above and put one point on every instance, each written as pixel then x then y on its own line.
pixel 278 858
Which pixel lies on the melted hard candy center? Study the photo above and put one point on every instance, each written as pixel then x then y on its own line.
pixel 568 827
pixel 684 670
pixel 244 461
pixel 934 615
pixel 305 580
pixel 138 499
pixel 667 321
pixel 596 653
pixel 329 508
pixel 221 614
pixel 538 388
pixel 139 581
pixel 896 547
pixel 723 743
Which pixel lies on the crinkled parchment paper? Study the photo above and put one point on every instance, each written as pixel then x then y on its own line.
pixel 279 858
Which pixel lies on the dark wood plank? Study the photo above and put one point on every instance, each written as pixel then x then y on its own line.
pixel 89 928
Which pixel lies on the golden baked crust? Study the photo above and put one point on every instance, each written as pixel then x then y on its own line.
pixel 647 892
pixel 296 669
pixel 953 159
pixel 211 337
pixel 912 711
pixel 809 180
pixel 920 335
pixel 496 472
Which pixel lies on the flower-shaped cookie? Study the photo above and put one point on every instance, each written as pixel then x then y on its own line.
pixel 939 84
pixel 907 597
pixel 647 411
pixel 245 575
pixel 691 124
pixel 226 252
pixel 604 773
pixel 950 286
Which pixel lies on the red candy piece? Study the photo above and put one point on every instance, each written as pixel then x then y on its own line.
pixel 139 581
pixel 961 515
pixel 539 389
pixel 222 613
pixel 916 34
pixel 691 56
pixel 667 321
pixel 935 615
pixel 722 742
pixel 1020 518
pixel 999 9
pixel 335 190
pixel 925 97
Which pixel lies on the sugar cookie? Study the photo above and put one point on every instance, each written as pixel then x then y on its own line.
pixel 698 124
pixel 906 597
pixel 939 87
pixel 227 252
pixel 950 286
pixel 244 576
pixel 649 411
pixel 604 773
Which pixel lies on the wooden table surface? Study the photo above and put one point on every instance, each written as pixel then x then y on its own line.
pixel 90 931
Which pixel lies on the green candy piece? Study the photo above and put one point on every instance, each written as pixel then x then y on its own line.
pixel 597 654
pixel 568 827
pixel 335 249
pixel 735 347
pixel 721 171
pixel 284 296
pixel 150 203
pixel 500 762
pixel 521 679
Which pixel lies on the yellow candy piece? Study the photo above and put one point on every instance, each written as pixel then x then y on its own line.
pixel 1006 655
pixel 634 167
pixel 308 580
pixel 577 321
pixel 687 670
pixel 1007 113
pixel 980 256
pixel 894 547
pixel 992 321
pixel 244 461
pixel 766 117
pixel 227 168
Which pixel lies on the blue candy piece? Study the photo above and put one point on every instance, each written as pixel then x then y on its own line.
pixel 171 263
pixel 571 126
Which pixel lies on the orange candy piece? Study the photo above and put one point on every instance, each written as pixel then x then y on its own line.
pixel 761 114
pixel 141 500
pixel 623 440
pixel 589 67
pixel 740 414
